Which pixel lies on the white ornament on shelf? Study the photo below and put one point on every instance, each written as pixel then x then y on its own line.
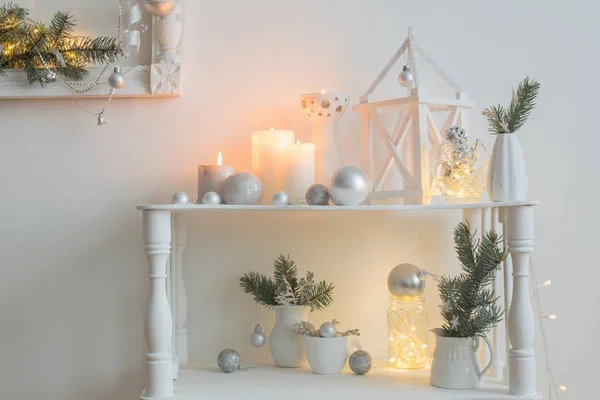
pixel 348 186
pixel 317 195
pixel 180 198
pixel 324 110
pixel 280 199
pixel 413 138
pixel 211 198
pixel 242 188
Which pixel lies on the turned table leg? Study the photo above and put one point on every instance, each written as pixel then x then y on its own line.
pixel 157 245
pixel 521 319
pixel 180 293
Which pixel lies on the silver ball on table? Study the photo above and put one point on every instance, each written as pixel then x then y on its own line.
pixel 180 198
pixel 258 338
pixel 116 80
pixel 242 188
pixel 327 330
pixel 211 198
pixel 406 280
pixel 406 77
pixel 360 362
pixel 317 195
pixel 228 360
pixel 280 199
pixel 348 186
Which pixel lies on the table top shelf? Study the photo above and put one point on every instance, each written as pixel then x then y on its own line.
pixel 267 382
pixel 391 207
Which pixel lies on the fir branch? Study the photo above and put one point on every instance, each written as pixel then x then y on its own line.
pixel 62 27
pixel 511 119
pixel 321 295
pixel 286 272
pixel 262 288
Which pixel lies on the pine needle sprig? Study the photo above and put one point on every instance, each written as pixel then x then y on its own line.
pixel 262 288
pixel 321 295
pixel 512 118
pixel 286 272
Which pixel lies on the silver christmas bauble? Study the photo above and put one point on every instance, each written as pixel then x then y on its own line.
pixel 348 186
pixel 406 77
pixel 280 199
pixel 242 188
pixel 360 362
pixel 160 8
pixel 406 280
pixel 50 76
pixel 327 330
pixel 180 198
pixel 228 360
pixel 258 338
pixel 116 80
pixel 317 195
pixel 211 198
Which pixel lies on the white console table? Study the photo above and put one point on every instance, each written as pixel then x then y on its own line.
pixel 166 336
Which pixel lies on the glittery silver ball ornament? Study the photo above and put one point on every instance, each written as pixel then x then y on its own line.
pixel 211 198
pixel 348 186
pixel 360 362
pixel 455 134
pixel 242 188
pixel 406 280
pixel 258 338
pixel 280 199
pixel 317 195
pixel 116 80
pixel 327 330
pixel 180 198
pixel 406 77
pixel 228 360
pixel 50 76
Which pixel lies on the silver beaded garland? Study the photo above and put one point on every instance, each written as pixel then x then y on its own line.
pixel 360 362
pixel 211 198
pixel 406 280
pixel 349 186
pixel 228 360
pixel 258 338
pixel 317 195
pixel 327 330
pixel 180 198
pixel 280 199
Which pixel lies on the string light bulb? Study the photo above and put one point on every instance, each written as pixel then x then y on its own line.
pixel 550 316
pixel 546 283
pixel 562 388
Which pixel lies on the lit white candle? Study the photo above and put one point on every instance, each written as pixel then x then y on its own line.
pixel 268 160
pixel 212 177
pixel 299 172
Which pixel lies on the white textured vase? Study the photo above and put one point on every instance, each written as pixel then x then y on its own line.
pixel 287 349
pixel 507 174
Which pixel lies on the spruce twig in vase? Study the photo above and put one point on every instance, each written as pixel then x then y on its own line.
pixel 509 119
pixel 286 289
pixel 469 307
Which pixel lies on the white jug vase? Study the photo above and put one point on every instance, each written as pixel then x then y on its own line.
pixel 455 362
pixel 287 348
pixel 507 174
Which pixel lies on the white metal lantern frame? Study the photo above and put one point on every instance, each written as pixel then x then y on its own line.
pixel 413 139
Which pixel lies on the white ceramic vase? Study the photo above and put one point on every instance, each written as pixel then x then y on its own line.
pixel 507 174
pixel 328 356
pixel 287 349
pixel 455 362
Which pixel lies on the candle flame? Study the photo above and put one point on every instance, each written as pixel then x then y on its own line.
pixel 272 128
pixel 220 159
pixel 322 91
pixel 298 142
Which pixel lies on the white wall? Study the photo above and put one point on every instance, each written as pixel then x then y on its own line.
pixel 73 272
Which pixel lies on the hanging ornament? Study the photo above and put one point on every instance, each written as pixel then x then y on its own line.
pixel 406 77
pixel 228 360
pixel 360 362
pixel 101 120
pixel 258 338
pixel 116 80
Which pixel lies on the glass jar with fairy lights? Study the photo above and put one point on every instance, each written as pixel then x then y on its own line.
pixel 460 168
pixel 407 318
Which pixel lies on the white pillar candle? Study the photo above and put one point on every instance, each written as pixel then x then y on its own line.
pixel 268 159
pixel 299 172
pixel 212 177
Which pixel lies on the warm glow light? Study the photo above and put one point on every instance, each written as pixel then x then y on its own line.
pixel 407 347
pixel 551 316
pixel 561 387
pixel 272 128
pixel 298 142
pixel 219 159
pixel 322 91
pixel 546 283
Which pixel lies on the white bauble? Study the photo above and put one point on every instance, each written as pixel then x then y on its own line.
pixel 348 186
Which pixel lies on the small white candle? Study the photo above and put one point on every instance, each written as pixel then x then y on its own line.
pixel 212 177
pixel 299 172
pixel 268 159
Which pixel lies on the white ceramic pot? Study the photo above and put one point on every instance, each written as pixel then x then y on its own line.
pixel 507 174
pixel 287 349
pixel 327 356
pixel 455 362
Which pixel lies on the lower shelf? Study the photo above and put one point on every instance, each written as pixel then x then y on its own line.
pixel 272 383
